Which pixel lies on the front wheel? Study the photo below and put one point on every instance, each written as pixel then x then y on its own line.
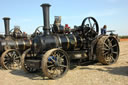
pixel 10 59
pixel 55 63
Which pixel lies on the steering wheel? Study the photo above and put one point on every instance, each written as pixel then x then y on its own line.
pixel 91 23
pixel 37 31
pixel 13 31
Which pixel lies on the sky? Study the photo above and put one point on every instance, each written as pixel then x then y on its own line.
pixel 28 14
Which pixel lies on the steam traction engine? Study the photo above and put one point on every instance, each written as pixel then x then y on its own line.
pixel 52 51
pixel 12 44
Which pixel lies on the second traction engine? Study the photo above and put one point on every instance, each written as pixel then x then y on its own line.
pixel 12 45
pixel 53 51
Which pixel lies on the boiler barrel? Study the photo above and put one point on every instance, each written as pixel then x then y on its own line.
pixel 70 42
pixel 66 42
pixel 17 44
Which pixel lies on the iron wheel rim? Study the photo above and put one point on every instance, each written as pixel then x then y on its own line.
pixel 24 65
pixel 57 66
pixel 10 59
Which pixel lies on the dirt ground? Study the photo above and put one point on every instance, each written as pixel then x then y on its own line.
pixel 96 74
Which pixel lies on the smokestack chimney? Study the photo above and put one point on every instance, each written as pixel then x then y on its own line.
pixel 46 28
pixel 7 26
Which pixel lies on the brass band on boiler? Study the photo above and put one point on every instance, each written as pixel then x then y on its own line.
pixel 30 42
pixel 81 42
pixel 24 45
pixel 75 41
pixel 67 42
pixel 17 44
pixel 60 42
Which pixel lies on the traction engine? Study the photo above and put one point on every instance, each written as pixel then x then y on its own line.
pixel 12 45
pixel 52 51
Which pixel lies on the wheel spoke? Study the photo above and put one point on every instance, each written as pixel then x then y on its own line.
pixel 90 22
pixel 6 59
pixel 109 43
pixel 56 72
pixel 8 54
pixel 106 45
pixel 50 62
pixel 63 66
pixel 105 53
pixel 54 54
pixel 112 58
pixel 62 56
pixel 57 55
pixel 94 25
pixel 14 54
pixel 53 69
pixel 52 59
pixel 114 45
pixel 50 66
pixel 17 58
pixel 115 52
pixel 108 40
pixel 106 49
pixel 111 40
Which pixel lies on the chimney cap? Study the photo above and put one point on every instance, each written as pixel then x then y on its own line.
pixel 6 18
pixel 45 4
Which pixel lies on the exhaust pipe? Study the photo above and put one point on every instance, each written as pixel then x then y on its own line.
pixel 7 26
pixel 46 28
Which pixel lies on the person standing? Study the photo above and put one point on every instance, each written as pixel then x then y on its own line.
pixel 103 30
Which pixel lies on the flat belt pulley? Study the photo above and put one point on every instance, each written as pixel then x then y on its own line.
pixel 90 27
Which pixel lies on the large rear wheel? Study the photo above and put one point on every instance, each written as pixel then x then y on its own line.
pixel 107 50
pixel 27 55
